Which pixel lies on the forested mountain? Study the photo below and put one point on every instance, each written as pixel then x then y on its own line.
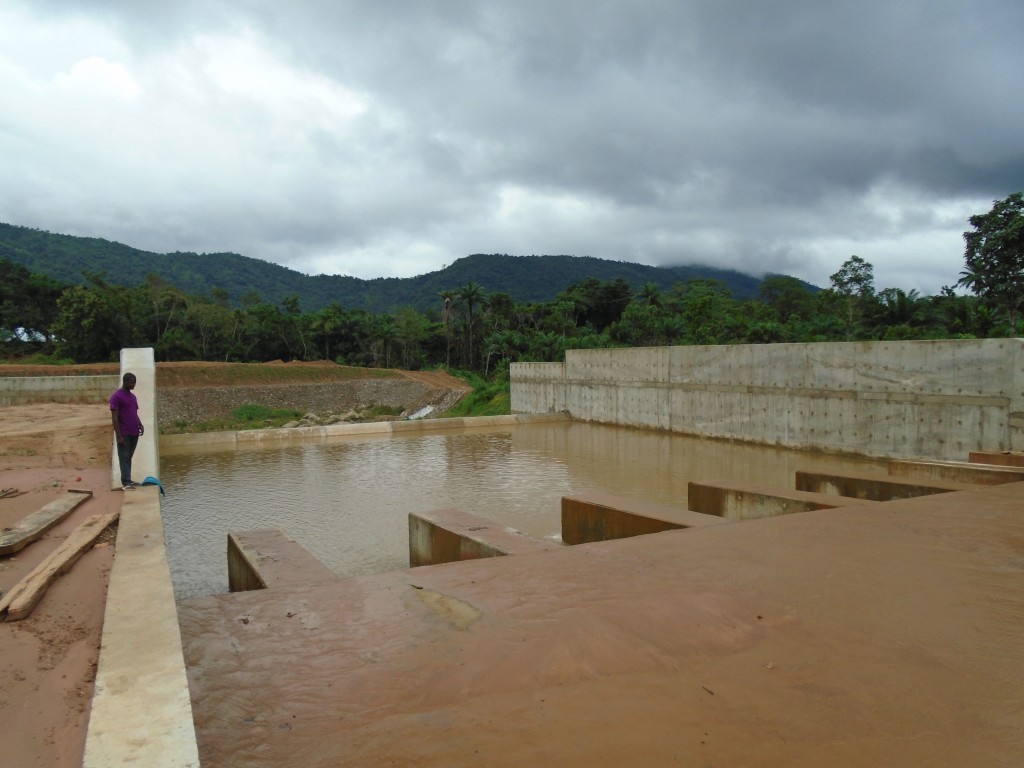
pixel 496 309
pixel 525 278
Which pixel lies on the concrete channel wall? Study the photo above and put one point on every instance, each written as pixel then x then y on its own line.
pixel 141 711
pixel 23 390
pixel 905 399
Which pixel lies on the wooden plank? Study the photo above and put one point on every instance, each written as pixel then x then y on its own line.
pixel 26 594
pixel 39 522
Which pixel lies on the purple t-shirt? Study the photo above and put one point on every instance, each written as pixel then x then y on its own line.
pixel 127 408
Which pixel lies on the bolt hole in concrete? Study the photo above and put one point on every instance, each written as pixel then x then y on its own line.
pixel 348 501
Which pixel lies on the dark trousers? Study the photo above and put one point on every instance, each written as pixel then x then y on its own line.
pixel 125 451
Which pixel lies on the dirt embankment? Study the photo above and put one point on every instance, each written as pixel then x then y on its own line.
pixel 192 392
pixel 48 660
pixel 184 399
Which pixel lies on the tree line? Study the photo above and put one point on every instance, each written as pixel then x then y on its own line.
pixel 477 330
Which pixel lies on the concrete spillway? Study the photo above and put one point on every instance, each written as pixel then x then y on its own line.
pixel 884 633
pixel 876 633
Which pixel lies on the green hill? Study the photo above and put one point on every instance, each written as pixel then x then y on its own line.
pixel 525 278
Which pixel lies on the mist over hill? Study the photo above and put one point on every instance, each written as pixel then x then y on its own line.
pixel 72 259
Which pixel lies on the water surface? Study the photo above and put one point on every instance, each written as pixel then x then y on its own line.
pixel 348 501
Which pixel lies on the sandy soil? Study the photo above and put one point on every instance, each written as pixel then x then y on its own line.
pixel 48 661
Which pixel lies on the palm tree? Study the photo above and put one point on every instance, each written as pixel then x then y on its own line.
pixel 382 336
pixel 471 293
pixel 650 294
pixel 448 299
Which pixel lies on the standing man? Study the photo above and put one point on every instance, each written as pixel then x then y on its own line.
pixel 124 415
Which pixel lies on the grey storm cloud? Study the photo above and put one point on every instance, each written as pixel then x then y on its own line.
pixel 380 139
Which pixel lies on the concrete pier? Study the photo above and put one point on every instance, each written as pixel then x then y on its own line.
pixel 22 390
pixel 269 558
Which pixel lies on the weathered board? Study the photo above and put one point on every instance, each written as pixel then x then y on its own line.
pixel 39 522
pixel 26 594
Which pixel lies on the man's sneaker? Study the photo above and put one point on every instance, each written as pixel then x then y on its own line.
pixel 129 487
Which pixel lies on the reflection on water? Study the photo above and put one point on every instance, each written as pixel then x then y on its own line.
pixel 348 501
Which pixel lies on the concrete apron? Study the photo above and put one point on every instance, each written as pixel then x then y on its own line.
pixel 141 713
pixel 885 633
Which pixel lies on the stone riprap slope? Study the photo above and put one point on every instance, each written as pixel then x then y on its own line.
pixel 192 405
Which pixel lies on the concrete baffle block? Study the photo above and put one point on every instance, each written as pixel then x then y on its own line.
pixel 590 517
pixel 872 487
pixel 956 471
pixel 451 535
pixel 745 501
pixel 269 558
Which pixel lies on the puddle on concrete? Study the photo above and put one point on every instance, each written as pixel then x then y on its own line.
pixel 348 501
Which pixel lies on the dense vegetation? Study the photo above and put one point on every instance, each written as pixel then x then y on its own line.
pixel 74 260
pixel 480 331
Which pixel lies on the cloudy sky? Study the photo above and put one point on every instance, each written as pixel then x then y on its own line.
pixel 391 138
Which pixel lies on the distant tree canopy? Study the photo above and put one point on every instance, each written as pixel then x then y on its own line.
pixel 994 256
pixel 469 327
pixel 28 304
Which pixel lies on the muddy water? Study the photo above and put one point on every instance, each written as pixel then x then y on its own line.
pixel 348 501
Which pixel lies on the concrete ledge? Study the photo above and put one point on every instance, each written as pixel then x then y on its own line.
pixel 269 558
pixel 590 517
pixel 33 526
pixel 956 471
pixel 451 535
pixel 999 458
pixel 21 390
pixel 141 711
pixel 469 422
pixel 260 438
pixel 745 501
pixel 872 487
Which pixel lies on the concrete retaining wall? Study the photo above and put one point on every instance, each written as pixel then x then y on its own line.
pixel 935 399
pixel 22 390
